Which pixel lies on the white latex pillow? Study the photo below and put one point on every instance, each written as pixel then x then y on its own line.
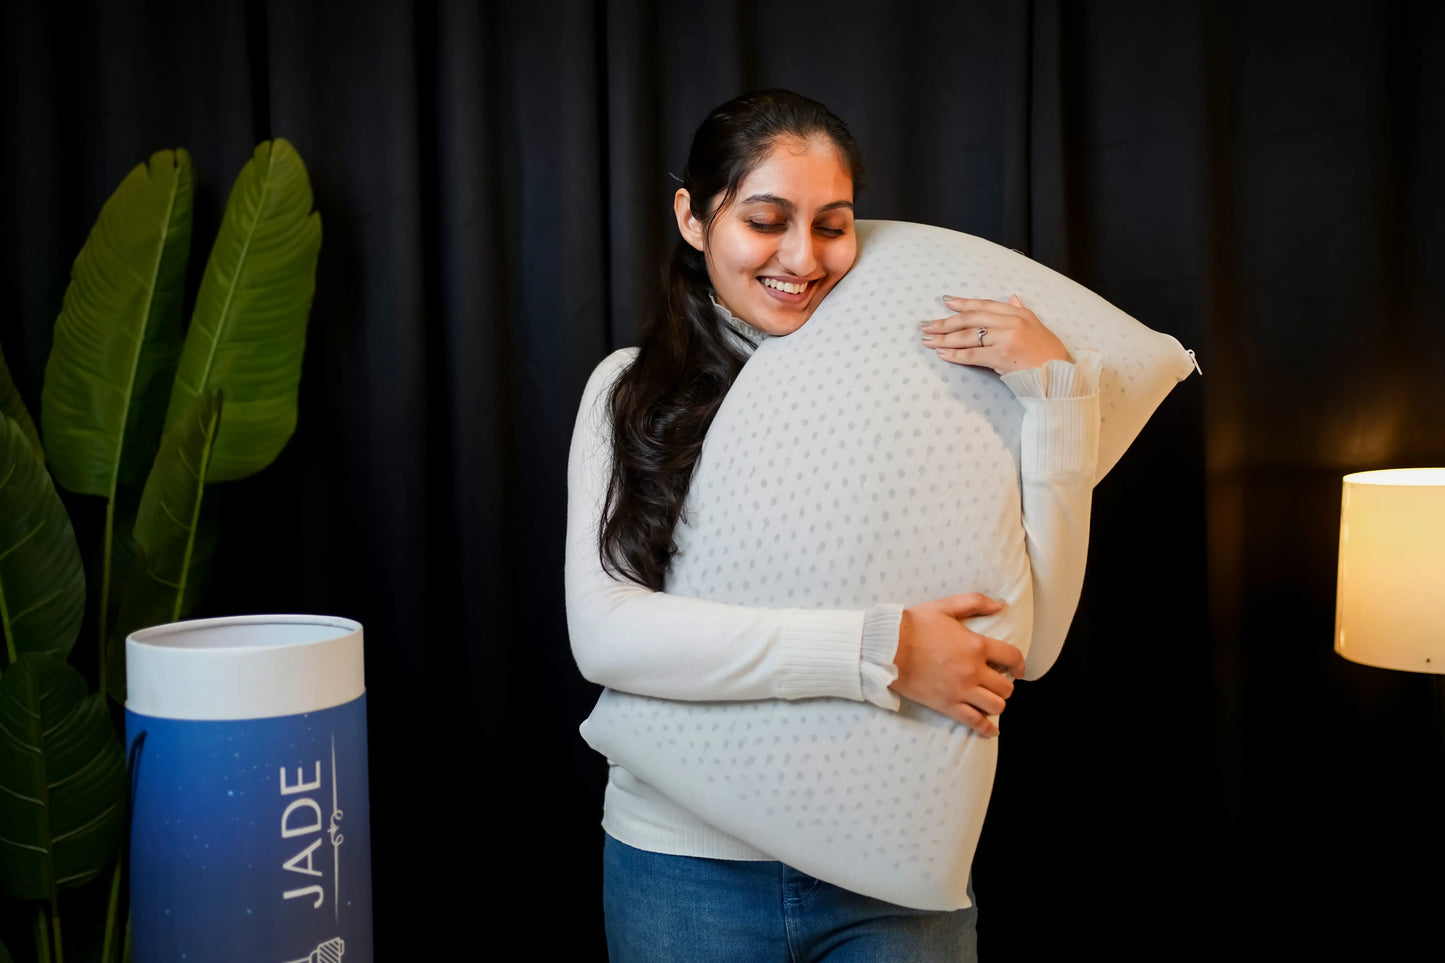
pixel 849 466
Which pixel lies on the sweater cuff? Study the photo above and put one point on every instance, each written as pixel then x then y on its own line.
pixel 880 646
pixel 1061 428
pixel 821 654
pixel 1058 379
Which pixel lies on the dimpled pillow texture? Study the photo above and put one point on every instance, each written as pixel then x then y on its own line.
pixel 847 466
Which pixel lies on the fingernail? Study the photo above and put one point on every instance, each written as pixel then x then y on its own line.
pixel 928 337
pixel 952 297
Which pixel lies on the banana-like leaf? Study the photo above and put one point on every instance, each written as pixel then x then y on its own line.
pixel 12 406
pixel 42 581
pixel 166 528
pixel 124 558
pixel 62 779
pixel 139 608
pixel 123 550
pixel 119 331
pixel 248 330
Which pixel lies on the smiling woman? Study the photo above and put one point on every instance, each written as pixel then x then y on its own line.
pixel 766 231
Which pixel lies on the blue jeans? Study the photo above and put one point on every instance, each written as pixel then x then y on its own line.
pixel 660 907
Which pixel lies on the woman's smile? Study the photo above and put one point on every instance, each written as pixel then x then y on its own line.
pixel 789 292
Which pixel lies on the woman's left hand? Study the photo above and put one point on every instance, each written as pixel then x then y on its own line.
pixel 992 334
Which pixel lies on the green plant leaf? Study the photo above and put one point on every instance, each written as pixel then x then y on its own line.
pixel 5 955
pixel 166 528
pixel 13 406
pixel 248 330
pixel 62 779
pixel 124 556
pixel 42 581
pixel 123 549
pixel 119 331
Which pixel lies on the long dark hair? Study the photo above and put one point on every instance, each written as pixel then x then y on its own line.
pixel 663 403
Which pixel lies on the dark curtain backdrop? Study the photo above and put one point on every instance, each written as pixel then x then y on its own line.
pixel 1200 772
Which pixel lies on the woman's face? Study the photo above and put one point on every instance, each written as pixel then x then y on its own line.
pixel 784 240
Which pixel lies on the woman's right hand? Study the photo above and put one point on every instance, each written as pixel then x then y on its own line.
pixel 946 666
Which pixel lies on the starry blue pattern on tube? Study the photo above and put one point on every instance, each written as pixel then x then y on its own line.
pixel 250 839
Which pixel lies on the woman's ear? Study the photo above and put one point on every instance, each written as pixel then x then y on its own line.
pixel 687 225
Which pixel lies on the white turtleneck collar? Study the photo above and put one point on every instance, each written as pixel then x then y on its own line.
pixel 749 337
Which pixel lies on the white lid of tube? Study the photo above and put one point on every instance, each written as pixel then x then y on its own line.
pixel 244 667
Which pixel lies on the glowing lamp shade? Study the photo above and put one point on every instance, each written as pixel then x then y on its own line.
pixel 1390 603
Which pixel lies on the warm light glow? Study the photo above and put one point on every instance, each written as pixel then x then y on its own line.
pixel 1390 602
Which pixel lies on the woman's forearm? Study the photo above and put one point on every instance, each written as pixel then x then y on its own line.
pixel 1058 452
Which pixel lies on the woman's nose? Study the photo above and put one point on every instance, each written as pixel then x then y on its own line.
pixel 798 254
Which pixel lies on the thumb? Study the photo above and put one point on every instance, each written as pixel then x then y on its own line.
pixel 970 604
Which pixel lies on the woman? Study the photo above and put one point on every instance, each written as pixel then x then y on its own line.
pixel 765 218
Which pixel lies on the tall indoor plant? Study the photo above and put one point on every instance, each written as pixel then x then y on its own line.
pixel 142 411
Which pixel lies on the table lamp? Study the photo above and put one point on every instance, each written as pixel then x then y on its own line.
pixel 1390 603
